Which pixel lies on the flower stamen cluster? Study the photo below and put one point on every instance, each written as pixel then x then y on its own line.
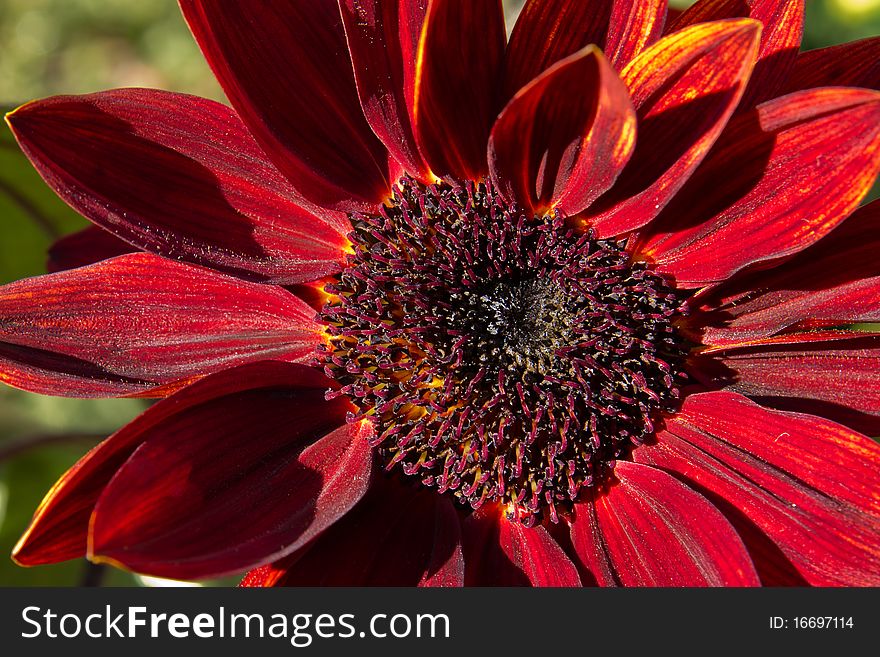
pixel 501 357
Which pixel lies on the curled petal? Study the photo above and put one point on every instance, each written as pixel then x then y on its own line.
pixel 651 530
pixel 60 525
pixel 806 484
pixel 459 63
pixel 286 69
pixel 684 88
pixel 565 137
pixel 783 22
pixel 233 483
pixel 132 324
pixel 548 31
pixel 783 177
pixel 179 176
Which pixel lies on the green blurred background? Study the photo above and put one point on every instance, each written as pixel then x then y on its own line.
pixel 76 46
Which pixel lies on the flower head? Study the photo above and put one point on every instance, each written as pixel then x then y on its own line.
pixel 431 306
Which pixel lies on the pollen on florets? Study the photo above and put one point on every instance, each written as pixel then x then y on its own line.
pixel 500 356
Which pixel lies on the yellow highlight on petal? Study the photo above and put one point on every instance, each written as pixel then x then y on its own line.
pixel 13 112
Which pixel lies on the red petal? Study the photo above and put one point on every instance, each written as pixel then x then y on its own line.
pixel 261 576
pixel 85 247
pixel 684 88
pixel 834 282
pixel 547 32
pixel 649 529
pixel 853 64
pixel 783 22
pixel 286 69
pixel 396 536
pixel 127 325
pixel 235 482
pixel 501 552
pixel 787 338
pixel 837 357
pixel 180 176
pixel 843 372
pixel 782 177
pixel 383 39
pixel 459 64
pixel 808 484
pixel 60 526
pixel 852 418
pixel 634 26
pixel 775 309
pixel 565 137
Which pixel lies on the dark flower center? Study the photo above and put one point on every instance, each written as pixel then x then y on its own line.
pixel 501 357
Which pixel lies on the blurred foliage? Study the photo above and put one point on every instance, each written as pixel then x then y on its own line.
pixel 836 21
pixel 40 437
pixel 76 46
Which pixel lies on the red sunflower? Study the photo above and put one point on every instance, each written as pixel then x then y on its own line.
pixel 431 306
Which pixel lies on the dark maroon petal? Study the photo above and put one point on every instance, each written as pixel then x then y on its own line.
pixel 783 22
pixel 129 325
pixel 396 536
pixel 651 530
pixel 383 39
pixel 85 247
pixel 684 88
pixel 807 484
pixel 844 372
pixel 565 137
pixel 548 31
pixel 179 176
pixel 853 64
pixel 286 68
pixel 834 282
pixel 60 526
pixel 235 482
pixel 780 179
pixel 502 552
pixel 459 65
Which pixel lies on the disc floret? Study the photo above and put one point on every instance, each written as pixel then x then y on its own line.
pixel 501 356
